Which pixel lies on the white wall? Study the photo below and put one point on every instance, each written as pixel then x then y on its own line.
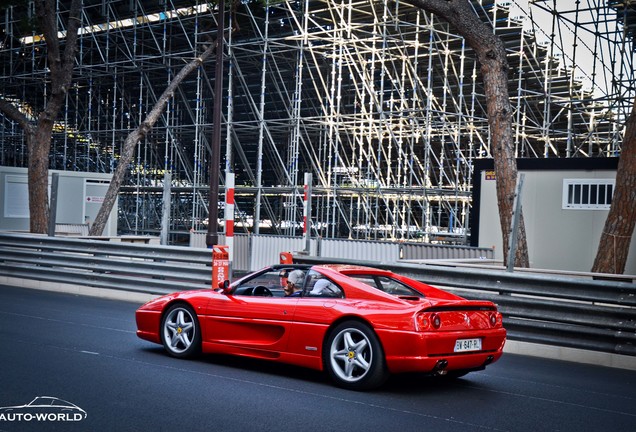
pixel 557 238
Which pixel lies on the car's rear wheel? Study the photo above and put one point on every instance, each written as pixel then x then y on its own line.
pixel 354 358
pixel 180 331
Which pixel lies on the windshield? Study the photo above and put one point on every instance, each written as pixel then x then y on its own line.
pixel 266 284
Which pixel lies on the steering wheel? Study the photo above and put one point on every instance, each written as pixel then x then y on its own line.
pixel 262 291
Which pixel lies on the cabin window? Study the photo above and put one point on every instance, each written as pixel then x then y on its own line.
pixel 587 194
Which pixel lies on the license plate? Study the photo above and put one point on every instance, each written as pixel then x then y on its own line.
pixel 462 345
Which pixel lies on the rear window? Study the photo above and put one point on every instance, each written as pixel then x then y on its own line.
pixel 387 285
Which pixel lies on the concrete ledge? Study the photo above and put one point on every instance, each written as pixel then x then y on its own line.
pixel 513 347
pixel 129 296
pixel 571 354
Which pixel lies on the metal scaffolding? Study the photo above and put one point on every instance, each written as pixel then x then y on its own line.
pixel 383 103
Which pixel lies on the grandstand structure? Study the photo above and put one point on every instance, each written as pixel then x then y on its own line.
pixel 382 102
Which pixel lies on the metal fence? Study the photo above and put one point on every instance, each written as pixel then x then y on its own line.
pixel 104 264
pixel 577 312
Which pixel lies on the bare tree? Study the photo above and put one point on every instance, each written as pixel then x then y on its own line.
pixel 616 238
pixel 491 55
pixel 138 134
pixel 38 131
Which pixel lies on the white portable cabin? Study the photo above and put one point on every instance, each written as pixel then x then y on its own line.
pixel 80 195
pixel 565 205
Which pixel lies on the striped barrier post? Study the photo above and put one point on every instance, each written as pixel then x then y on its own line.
pixel 229 214
pixel 307 212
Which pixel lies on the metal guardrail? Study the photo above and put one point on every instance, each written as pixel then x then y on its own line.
pixel 105 264
pixel 596 315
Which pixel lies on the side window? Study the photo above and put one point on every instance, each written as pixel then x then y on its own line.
pixel 368 280
pixel 396 288
pixel 320 286
pixel 388 285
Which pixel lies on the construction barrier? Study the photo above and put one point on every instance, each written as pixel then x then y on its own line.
pixel 220 264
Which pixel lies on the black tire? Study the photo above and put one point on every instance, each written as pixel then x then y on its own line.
pixel 353 357
pixel 180 331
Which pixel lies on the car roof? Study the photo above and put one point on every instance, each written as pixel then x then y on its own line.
pixel 349 269
pixel 290 266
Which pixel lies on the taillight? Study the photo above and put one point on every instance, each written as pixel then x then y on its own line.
pixel 422 322
pixel 495 319
pixel 428 321
pixel 436 321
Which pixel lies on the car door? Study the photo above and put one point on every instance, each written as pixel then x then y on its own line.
pixel 248 322
pixel 315 311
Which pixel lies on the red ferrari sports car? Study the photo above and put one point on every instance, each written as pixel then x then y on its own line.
pixel 358 324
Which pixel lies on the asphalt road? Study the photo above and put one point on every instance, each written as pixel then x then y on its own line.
pixel 84 350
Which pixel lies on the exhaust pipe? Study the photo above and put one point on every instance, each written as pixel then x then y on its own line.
pixel 440 366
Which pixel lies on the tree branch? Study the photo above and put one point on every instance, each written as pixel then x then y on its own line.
pixel 47 15
pixel 137 135
pixel 13 113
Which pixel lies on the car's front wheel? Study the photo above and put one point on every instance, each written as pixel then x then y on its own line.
pixel 180 331
pixel 353 357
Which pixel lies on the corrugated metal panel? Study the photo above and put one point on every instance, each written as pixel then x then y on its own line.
pixel 360 250
pixel 266 249
pixel 79 229
pixel 430 251
pixel 246 257
pixel 241 259
pixel 197 239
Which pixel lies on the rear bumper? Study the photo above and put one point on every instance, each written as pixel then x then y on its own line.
pixel 426 352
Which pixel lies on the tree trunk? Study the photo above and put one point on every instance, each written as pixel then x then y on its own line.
pixel 616 238
pixel 137 135
pixel 39 146
pixel 38 138
pixel 491 55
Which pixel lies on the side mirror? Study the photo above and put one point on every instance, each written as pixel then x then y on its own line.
pixel 225 286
